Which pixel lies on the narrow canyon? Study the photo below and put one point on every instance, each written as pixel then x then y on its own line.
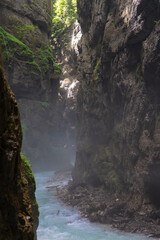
pixel 80 102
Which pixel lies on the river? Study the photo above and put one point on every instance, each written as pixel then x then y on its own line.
pixel 60 222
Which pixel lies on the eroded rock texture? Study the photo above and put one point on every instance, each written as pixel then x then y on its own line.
pixel 119 102
pixel 30 22
pixel 16 206
pixel 31 74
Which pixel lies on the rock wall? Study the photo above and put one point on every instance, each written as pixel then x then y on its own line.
pixel 31 71
pixel 16 206
pixel 30 22
pixel 67 52
pixel 118 129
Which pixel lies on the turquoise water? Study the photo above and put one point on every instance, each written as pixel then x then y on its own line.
pixel 58 222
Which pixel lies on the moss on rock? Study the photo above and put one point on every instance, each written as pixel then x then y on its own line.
pixel 41 59
pixel 32 187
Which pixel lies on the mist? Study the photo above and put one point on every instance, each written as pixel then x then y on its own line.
pixel 49 120
pixel 49 138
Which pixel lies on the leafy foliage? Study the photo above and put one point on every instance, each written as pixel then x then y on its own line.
pixel 14 47
pixel 40 60
pixel 64 14
pixel 45 59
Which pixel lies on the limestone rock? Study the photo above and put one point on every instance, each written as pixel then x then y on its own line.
pixel 118 101
pixel 30 71
pixel 16 207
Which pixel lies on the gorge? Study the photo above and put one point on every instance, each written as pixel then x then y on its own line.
pixel 113 113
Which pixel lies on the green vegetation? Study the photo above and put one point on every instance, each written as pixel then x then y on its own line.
pixel 57 68
pixel 34 65
pixel 157 22
pixel 96 71
pixel 27 167
pixel 45 59
pixel 31 180
pixel 64 14
pixel 28 172
pixel 97 65
pixel 40 60
pixel 64 11
pixel 13 47
pixel 45 104
pixel 23 30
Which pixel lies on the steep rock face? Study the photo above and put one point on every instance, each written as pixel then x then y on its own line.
pixel 67 53
pixel 31 70
pixel 118 103
pixel 30 22
pixel 16 207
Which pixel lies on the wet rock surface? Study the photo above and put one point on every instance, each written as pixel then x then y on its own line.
pixel 31 74
pixel 98 205
pixel 67 54
pixel 118 109
pixel 30 23
pixel 17 218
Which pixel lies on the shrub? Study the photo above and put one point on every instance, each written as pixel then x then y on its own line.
pixel 64 14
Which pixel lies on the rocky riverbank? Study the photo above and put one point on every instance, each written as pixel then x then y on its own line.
pixel 118 117
pixel 97 205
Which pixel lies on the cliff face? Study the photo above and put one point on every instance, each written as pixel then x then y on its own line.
pixel 31 70
pixel 29 22
pixel 16 206
pixel 118 103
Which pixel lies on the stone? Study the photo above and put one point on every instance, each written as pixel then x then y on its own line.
pixel 118 102
pixel 15 187
pixel 32 79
